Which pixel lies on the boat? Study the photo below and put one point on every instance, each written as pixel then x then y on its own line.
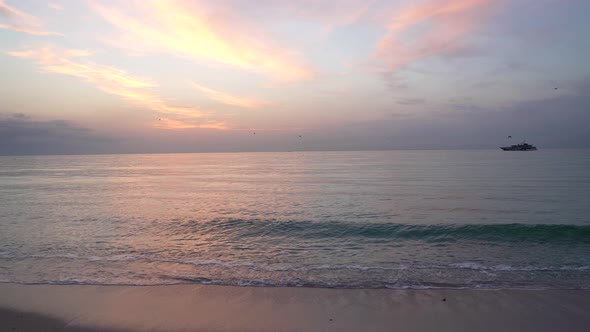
pixel 524 146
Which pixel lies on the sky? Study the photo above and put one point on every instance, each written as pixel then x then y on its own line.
pixel 158 76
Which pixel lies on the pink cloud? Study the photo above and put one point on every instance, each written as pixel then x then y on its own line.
pixel 431 28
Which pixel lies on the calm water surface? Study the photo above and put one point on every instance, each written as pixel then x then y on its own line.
pixel 399 219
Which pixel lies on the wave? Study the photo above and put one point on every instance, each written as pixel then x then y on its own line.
pixel 538 233
pixel 316 284
pixel 154 270
pixel 467 265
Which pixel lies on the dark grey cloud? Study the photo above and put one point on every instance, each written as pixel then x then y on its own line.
pixel 463 51
pixel 411 101
pixel 394 80
pixel 20 116
pixel 21 135
pixel 558 121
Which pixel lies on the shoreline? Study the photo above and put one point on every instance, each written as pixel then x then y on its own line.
pixel 231 308
pixel 401 288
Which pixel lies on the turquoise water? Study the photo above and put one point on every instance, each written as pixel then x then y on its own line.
pixel 387 219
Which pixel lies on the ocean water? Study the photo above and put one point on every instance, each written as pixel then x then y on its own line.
pixel 387 219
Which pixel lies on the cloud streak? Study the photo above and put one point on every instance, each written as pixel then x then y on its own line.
pixel 21 22
pixel 55 6
pixel 229 99
pixel 189 31
pixel 154 102
pixel 58 62
pixel 166 123
pixel 429 29
pixel 116 82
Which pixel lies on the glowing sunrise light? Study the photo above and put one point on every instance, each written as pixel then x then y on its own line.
pixel 172 27
pixel 229 99
pixel 347 74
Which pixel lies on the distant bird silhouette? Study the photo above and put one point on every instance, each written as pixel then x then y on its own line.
pixel 253 133
pixel 555 88
pixel 300 136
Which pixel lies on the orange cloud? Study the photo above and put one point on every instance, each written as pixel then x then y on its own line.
pixel 21 21
pixel 229 99
pixel 116 82
pixel 55 6
pixel 188 31
pixel 153 102
pixel 428 29
pixel 17 15
pixel 165 123
pixel 58 62
pixel 28 30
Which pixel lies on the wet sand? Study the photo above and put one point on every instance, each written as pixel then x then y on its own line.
pixel 224 308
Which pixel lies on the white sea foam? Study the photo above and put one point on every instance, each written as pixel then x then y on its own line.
pixel 215 262
pixel 121 257
pixel 467 265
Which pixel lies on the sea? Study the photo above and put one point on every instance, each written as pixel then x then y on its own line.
pixel 474 219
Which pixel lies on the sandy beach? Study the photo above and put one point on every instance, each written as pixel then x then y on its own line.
pixel 223 308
